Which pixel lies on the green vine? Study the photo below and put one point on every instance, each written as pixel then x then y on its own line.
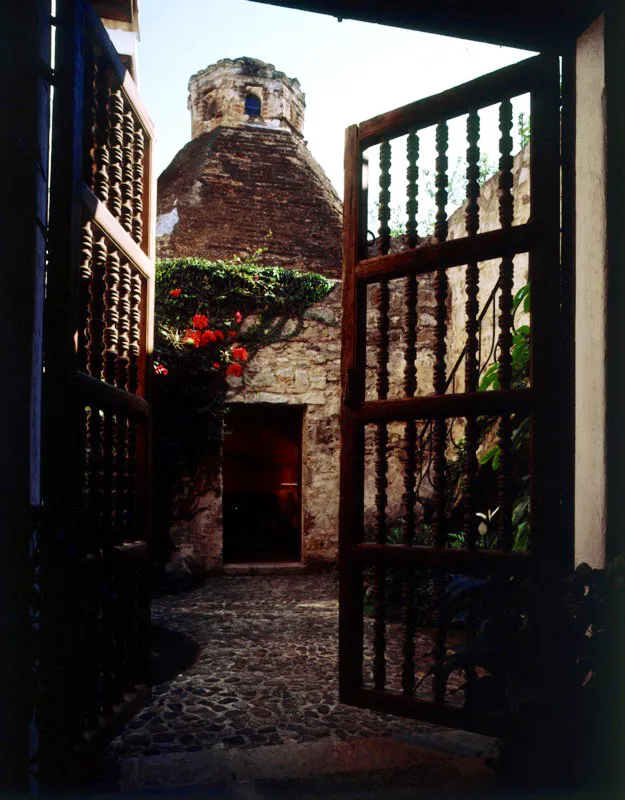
pixel 211 317
pixel 520 354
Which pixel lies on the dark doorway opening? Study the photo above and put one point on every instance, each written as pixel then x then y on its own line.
pixel 262 483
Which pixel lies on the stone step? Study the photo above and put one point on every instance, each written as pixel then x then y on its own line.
pixel 359 763
pixel 266 568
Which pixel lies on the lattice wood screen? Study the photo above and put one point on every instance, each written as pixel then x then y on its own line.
pixel 414 477
pixel 94 562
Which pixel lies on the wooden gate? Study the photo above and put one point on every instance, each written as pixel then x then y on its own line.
pixel 448 465
pixel 92 556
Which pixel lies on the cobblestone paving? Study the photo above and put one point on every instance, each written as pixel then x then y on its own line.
pixel 265 673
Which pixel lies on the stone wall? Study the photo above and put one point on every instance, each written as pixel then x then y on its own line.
pixel 305 370
pixel 217 96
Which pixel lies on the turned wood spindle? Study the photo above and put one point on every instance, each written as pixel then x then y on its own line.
pixel 95 339
pixel 127 187
pixel 111 315
pixel 102 125
pixel 139 156
pixel 134 346
pixel 384 209
pixel 123 356
pixel 412 189
pixel 441 182
pixel 116 145
pixel 505 489
pixel 471 367
pixel 85 276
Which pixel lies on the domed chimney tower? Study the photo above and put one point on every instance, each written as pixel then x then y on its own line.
pixel 244 91
pixel 247 179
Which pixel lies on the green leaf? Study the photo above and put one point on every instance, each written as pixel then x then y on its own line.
pixel 490 379
pixel 492 455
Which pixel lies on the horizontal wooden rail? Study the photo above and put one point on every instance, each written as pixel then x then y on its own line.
pixel 114 231
pixel 392 702
pixel 479 93
pixel 452 558
pixel 429 257
pixel 102 395
pixel 434 406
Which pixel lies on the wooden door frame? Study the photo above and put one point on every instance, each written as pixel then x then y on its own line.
pixel 25 103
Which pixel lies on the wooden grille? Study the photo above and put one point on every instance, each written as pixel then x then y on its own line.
pixel 99 316
pixel 420 413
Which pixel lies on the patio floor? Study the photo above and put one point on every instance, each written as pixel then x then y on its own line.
pixel 261 673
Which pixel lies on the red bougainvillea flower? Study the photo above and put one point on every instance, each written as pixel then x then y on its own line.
pixel 217 365
pixel 234 369
pixel 159 369
pixel 239 353
pixel 176 292
pixel 232 334
pixel 207 336
pixel 238 317
pixel 219 335
pixel 200 321
pixel 192 337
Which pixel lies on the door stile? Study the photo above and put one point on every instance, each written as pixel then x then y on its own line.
pixel 59 712
pixel 554 549
pixel 352 432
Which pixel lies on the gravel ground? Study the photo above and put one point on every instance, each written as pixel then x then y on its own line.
pixel 261 669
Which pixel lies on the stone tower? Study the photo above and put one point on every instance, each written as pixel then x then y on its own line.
pixel 247 179
pixel 244 91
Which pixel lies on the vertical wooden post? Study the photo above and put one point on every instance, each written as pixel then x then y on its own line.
pixel 61 712
pixel 352 433
pixel 550 543
pixel 613 729
pixel 25 100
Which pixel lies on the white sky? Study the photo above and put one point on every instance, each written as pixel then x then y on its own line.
pixel 349 71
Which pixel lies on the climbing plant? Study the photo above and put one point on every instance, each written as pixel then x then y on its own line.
pixel 211 317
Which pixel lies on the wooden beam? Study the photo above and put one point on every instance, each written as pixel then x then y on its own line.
pixel 430 256
pixel 478 93
pixel 392 702
pixel 114 231
pixel 450 558
pixel 540 25
pixel 103 395
pixel 444 406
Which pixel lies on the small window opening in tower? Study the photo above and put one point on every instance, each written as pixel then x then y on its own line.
pixel 252 105
pixel 209 108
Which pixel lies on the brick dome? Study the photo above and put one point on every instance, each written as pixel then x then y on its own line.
pixel 247 180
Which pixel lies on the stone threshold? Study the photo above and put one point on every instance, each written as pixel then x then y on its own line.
pixel 266 568
pixel 306 760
